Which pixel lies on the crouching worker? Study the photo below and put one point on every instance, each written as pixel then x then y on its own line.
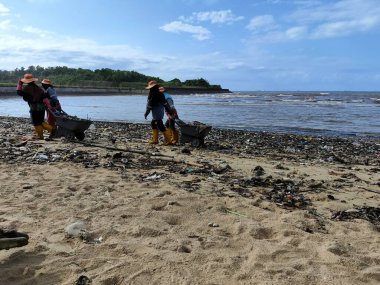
pixel 35 97
pixel 170 122
pixel 157 104
pixel 53 106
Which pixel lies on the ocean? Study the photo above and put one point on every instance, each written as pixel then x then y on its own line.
pixel 321 113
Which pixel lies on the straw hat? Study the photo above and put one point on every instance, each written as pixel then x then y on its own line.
pixel 46 81
pixel 162 89
pixel 28 77
pixel 151 84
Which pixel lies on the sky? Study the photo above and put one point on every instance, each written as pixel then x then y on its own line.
pixel 240 44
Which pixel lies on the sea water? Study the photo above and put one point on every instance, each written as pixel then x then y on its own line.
pixel 335 113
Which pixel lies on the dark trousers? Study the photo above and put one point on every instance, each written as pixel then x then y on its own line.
pixel 158 124
pixel 37 117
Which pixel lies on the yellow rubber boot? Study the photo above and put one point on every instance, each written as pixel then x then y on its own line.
pixel 154 137
pixel 39 131
pixel 175 135
pixel 167 137
pixel 171 134
pixel 47 127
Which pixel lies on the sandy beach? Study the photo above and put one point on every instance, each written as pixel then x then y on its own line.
pixel 248 208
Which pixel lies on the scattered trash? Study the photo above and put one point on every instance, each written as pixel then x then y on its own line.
pixel 371 214
pixel 41 157
pixel 154 177
pixel 285 194
pixel 76 229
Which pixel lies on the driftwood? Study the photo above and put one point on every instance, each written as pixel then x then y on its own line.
pixel 172 159
pixel 125 150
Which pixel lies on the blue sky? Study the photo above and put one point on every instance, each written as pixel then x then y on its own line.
pixel 240 44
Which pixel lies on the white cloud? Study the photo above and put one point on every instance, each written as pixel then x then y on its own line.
pixel 185 24
pixel 36 31
pixel 198 32
pixel 296 32
pixel 319 20
pixel 5 25
pixel 343 28
pixel 340 18
pixel 262 23
pixel 214 17
pixel 3 10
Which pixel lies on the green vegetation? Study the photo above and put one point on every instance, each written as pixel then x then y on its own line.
pixel 99 78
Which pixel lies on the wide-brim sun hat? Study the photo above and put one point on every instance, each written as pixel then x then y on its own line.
pixel 28 77
pixel 151 84
pixel 46 81
pixel 162 89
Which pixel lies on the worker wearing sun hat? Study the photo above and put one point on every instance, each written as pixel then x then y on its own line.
pixel 35 97
pixel 157 104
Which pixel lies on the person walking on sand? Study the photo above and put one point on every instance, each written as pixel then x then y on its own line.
pixel 36 99
pixel 170 122
pixel 54 105
pixel 157 104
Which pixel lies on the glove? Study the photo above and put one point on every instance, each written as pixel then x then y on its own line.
pixel 19 85
pixel 146 114
pixel 47 103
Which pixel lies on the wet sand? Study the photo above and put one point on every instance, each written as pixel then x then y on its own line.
pixel 248 208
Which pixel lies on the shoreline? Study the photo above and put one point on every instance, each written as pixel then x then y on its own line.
pixel 248 208
pixel 295 132
pixel 83 91
pixel 362 150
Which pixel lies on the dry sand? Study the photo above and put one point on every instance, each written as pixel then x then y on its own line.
pixel 157 222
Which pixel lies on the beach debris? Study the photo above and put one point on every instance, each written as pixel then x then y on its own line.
pixel 41 157
pixel 331 197
pixel 153 177
pixel 258 171
pixel 76 229
pixel 83 280
pixel 285 194
pixel 278 146
pixel 213 225
pixel 370 214
pixel 220 167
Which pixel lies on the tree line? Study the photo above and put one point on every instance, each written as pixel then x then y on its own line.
pixel 105 77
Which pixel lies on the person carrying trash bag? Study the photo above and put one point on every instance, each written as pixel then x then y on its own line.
pixel 170 122
pixel 36 99
pixel 157 104
pixel 54 106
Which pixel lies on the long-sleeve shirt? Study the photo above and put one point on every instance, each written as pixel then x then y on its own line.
pixel 157 104
pixel 34 95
